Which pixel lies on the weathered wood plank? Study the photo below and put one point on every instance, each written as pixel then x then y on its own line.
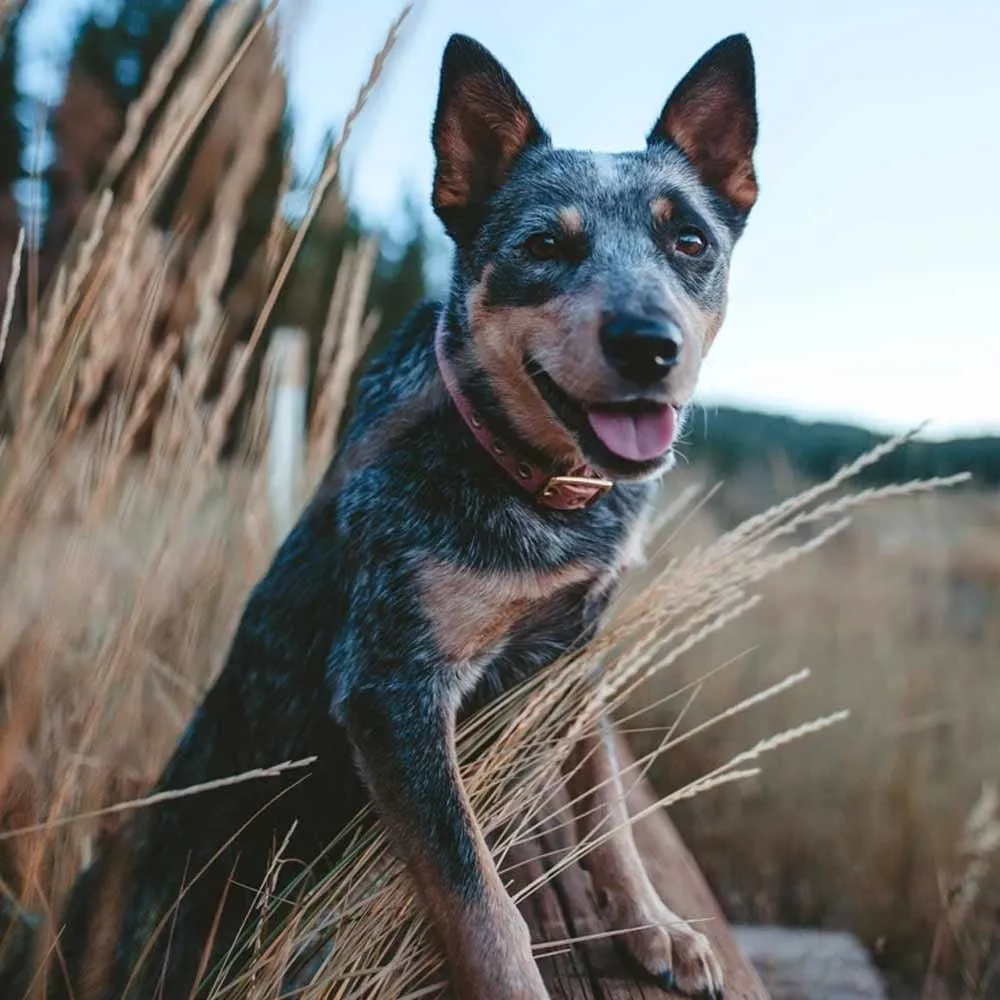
pixel 565 909
pixel 560 963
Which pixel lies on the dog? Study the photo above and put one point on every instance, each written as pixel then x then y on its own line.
pixel 487 495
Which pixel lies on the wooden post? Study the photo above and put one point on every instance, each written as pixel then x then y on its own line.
pixel 287 439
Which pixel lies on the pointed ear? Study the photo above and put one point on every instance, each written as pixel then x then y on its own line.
pixel 712 118
pixel 483 123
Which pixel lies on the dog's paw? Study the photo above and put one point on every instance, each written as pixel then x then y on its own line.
pixel 669 950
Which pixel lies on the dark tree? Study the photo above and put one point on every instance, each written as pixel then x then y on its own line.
pixel 11 153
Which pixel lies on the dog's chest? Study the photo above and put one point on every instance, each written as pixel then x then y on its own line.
pixel 472 612
pixel 512 622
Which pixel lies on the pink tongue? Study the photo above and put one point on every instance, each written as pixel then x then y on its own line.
pixel 636 436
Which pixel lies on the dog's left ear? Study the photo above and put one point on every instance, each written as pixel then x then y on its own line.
pixel 482 125
pixel 712 118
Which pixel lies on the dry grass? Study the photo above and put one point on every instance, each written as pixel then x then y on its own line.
pixel 7 313
pixel 899 621
pixel 124 577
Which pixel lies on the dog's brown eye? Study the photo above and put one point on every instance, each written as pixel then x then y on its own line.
pixel 691 242
pixel 542 246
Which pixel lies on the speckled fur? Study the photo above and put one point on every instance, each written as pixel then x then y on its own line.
pixel 340 652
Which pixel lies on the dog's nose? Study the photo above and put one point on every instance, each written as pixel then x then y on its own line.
pixel 640 349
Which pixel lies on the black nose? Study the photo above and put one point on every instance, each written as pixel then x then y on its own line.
pixel 641 350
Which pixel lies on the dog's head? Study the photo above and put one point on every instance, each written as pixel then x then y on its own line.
pixel 589 286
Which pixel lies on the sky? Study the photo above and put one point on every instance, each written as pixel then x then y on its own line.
pixel 866 286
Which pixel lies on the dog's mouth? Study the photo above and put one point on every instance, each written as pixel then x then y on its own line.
pixel 635 432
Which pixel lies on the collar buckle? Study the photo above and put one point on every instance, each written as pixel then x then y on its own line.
pixel 583 490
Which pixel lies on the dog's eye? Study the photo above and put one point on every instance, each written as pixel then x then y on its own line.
pixel 690 241
pixel 543 246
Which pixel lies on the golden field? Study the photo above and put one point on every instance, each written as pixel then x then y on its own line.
pixel 134 521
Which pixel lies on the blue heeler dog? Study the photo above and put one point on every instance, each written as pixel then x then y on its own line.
pixel 488 493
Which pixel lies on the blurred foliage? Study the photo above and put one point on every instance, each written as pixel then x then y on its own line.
pixel 11 137
pixel 11 149
pixel 119 53
pixel 112 56
pixel 733 441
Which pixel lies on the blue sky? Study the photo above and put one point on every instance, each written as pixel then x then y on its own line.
pixel 866 285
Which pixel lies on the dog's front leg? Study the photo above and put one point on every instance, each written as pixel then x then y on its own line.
pixel 405 739
pixel 664 944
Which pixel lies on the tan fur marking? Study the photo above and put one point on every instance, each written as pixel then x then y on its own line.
pixel 504 335
pixel 714 322
pixel 741 187
pixel 571 220
pixel 472 612
pixel 662 209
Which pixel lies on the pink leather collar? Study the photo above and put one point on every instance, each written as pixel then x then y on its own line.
pixel 576 489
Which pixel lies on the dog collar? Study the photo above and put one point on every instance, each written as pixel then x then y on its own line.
pixel 573 490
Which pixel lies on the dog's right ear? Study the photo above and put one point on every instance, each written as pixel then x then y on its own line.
pixel 483 123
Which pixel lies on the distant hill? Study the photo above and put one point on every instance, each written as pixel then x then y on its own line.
pixel 732 440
